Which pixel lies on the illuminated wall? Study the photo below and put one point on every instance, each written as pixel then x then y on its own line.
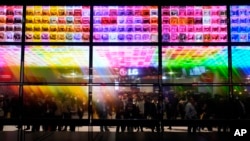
pixel 9 65
pixel 125 24
pixel 240 19
pixel 125 64
pixel 57 23
pixel 11 23
pixel 240 64
pixel 188 64
pixel 194 24
pixel 56 64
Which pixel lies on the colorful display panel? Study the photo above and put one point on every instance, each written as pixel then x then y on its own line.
pixel 57 97
pixel 57 23
pixel 194 24
pixel 9 65
pixel 240 64
pixel 124 64
pixel 195 64
pixel 125 24
pixel 56 64
pixel 240 20
pixel 11 23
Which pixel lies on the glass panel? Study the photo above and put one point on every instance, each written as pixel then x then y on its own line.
pixel 55 102
pixel 125 24
pixel 9 101
pixel 194 24
pixel 60 64
pixel 195 64
pixel 241 102
pixel 9 65
pixel 240 64
pixel 123 102
pixel 11 18
pixel 57 23
pixel 240 23
pixel 206 99
pixel 125 64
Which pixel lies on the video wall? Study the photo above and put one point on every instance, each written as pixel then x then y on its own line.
pixel 66 63
pixel 125 64
pixel 11 18
pixel 195 64
pixel 57 23
pixel 56 64
pixel 194 24
pixel 124 23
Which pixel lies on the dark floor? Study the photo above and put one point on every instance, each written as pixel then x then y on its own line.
pixel 112 136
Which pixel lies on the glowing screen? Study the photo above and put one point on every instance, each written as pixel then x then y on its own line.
pixel 56 63
pixel 125 24
pixel 185 63
pixel 194 24
pixel 57 23
pixel 9 65
pixel 240 20
pixel 122 63
pixel 241 64
pixel 11 23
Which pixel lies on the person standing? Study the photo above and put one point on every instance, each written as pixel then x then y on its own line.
pixel 191 114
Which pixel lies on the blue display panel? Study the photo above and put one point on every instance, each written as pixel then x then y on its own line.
pixel 240 23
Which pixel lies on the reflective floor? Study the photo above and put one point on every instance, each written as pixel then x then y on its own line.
pixel 176 134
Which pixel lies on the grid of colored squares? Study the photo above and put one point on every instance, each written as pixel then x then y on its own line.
pixel 240 20
pixel 56 56
pixel 194 24
pixel 125 56
pixel 9 65
pixel 11 23
pixel 125 24
pixel 57 23
pixel 190 56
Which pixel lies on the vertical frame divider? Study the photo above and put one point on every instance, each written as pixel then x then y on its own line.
pixel 160 50
pixel 229 51
pixel 90 106
pixel 20 124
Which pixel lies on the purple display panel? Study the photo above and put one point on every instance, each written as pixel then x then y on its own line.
pixel 125 24
pixel 194 24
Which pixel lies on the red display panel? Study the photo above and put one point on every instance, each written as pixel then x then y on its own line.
pixel 125 24
pixel 57 23
pixel 194 24
pixel 11 23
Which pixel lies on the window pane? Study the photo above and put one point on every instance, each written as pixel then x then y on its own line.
pixel 57 23
pixel 125 64
pixel 10 58
pixel 195 64
pixel 125 24
pixel 60 64
pixel 194 24
pixel 115 98
pixel 11 18
pixel 56 102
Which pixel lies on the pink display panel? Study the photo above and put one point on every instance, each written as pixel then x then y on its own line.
pixel 125 64
pixel 11 23
pixel 125 24
pixel 194 24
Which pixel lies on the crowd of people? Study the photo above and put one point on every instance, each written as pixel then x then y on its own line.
pixel 127 106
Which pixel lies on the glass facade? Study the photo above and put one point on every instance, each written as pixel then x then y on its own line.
pixel 76 61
